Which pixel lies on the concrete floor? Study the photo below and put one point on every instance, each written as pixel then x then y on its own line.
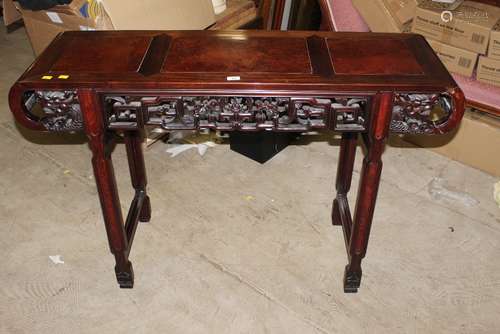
pixel 238 247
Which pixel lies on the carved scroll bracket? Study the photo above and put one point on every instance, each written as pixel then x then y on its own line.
pixel 55 110
pixel 419 113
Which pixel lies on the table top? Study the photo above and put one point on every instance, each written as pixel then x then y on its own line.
pixel 250 60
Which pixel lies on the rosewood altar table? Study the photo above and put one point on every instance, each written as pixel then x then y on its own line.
pixel 358 84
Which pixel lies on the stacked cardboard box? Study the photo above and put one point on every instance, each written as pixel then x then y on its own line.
pixel 494 47
pixel 455 59
pixel 488 68
pixel 467 27
pixel 43 26
pixel 474 31
pixel 386 15
pixel 458 34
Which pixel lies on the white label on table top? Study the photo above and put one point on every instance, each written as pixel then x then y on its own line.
pixel 233 78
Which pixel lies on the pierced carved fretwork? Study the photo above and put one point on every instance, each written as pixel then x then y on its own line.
pixel 56 110
pixel 419 113
pixel 125 113
pixel 350 114
pixel 237 113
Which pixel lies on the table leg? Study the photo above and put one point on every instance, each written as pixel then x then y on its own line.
pixel 133 144
pixel 344 173
pixel 367 191
pixel 106 184
pixel 363 214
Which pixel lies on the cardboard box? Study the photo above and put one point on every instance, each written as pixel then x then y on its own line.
pixel 10 12
pixel 43 26
pixel 468 26
pixel 377 16
pixel 456 60
pixel 402 11
pixel 494 47
pixel 488 71
pixel 160 15
pixel 474 143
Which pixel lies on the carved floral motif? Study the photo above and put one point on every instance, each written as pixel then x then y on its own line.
pixel 60 110
pixel 414 113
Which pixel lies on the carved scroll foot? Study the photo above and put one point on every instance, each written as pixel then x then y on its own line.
pixel 145 215
pixel 125 276
pixel 352 280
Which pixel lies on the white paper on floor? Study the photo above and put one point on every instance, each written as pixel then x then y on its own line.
pixel 440 190
pixel 179 148
pixel 56 259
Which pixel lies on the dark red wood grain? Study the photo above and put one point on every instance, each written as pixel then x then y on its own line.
pixel 236 54
pixel 85 54
pixel 373 57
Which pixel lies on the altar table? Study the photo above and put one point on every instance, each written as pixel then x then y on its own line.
pixel 114 83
